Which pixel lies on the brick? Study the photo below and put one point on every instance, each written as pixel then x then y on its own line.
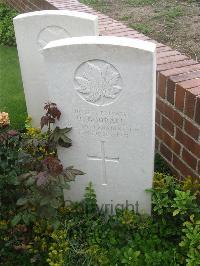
pixel 192 130
pixel 178 64
pixel 180 98
pixel 170 91
pixel 190 83
pixel 190 100
pixel 185 76
pixel 197 111
pixel 167 53
pixel 188 142
pixel 122 33
pixel 177 119
pixel 157 144
pixel 157 117
pixel 167 125
pixel 160 105
pixel 165 152
pixel 168 140
pixel 163 48
pixel 183 168
pixel 170 59
pixel 195 91
pixel 118 27
pixel 169 112
pixel 162 82
pixel 157 43
pixel 105 21
pixel 181 70
pixel 189 159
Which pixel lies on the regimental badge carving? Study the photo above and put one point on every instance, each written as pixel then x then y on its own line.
pixel 51 33
pixel 98 82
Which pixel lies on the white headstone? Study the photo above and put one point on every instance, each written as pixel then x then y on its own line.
pixel 105 89
pixel 33 31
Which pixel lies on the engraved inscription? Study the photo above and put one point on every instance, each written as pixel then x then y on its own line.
pixel 98 82
pixel 51 33
pixel 102 123
pixel 103 158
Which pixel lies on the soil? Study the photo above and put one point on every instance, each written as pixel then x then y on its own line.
pixel 174 23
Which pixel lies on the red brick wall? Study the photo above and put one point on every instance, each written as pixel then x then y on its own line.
pixel 178 91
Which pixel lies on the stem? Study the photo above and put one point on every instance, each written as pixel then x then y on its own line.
pixel 49 127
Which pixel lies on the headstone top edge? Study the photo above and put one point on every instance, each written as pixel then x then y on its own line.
pixel 69 13
pixel 103 40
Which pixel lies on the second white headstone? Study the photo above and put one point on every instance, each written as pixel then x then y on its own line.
pixel 33 31
pixel 105 89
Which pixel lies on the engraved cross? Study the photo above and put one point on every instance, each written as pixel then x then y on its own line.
pixel 103 158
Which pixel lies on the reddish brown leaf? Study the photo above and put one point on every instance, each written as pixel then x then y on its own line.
pixel 44 121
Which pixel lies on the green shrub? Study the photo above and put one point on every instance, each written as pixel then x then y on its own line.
pixel 191 240
pixel 88 237
pixel 32 180
pixel 7 34
pixel 36 228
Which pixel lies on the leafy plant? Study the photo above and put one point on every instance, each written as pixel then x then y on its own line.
pixel 89 237
pixel 7 34
pixel 37 229
pixel 90 201
pixel 191 241
pixel 58 135
pixel 42 187
pixel 184 203
pixel 31 171
pixel 192 184
pixel 163 193
pixel 130 257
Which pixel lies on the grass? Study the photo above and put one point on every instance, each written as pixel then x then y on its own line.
pixel 129 2
pixel 140 2
pixel 171 22
pixel 11 88
pixel 141 28
pixel 170 14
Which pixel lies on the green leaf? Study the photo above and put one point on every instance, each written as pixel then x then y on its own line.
pixel 70 173
pixel 16 220
pixel 32 217
pixel 55 203
pixel 137 253
pixel 65 130
pixel 130 251
pixel 65 186
pixel 58 136
pixel 30 181
pixel 21 201
pixel 44 201
pixel 64 144
pixel 176 212
pixel 56 224
pixel 25 218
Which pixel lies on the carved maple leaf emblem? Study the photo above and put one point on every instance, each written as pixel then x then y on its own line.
pixel 98 83
pixel 51 33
